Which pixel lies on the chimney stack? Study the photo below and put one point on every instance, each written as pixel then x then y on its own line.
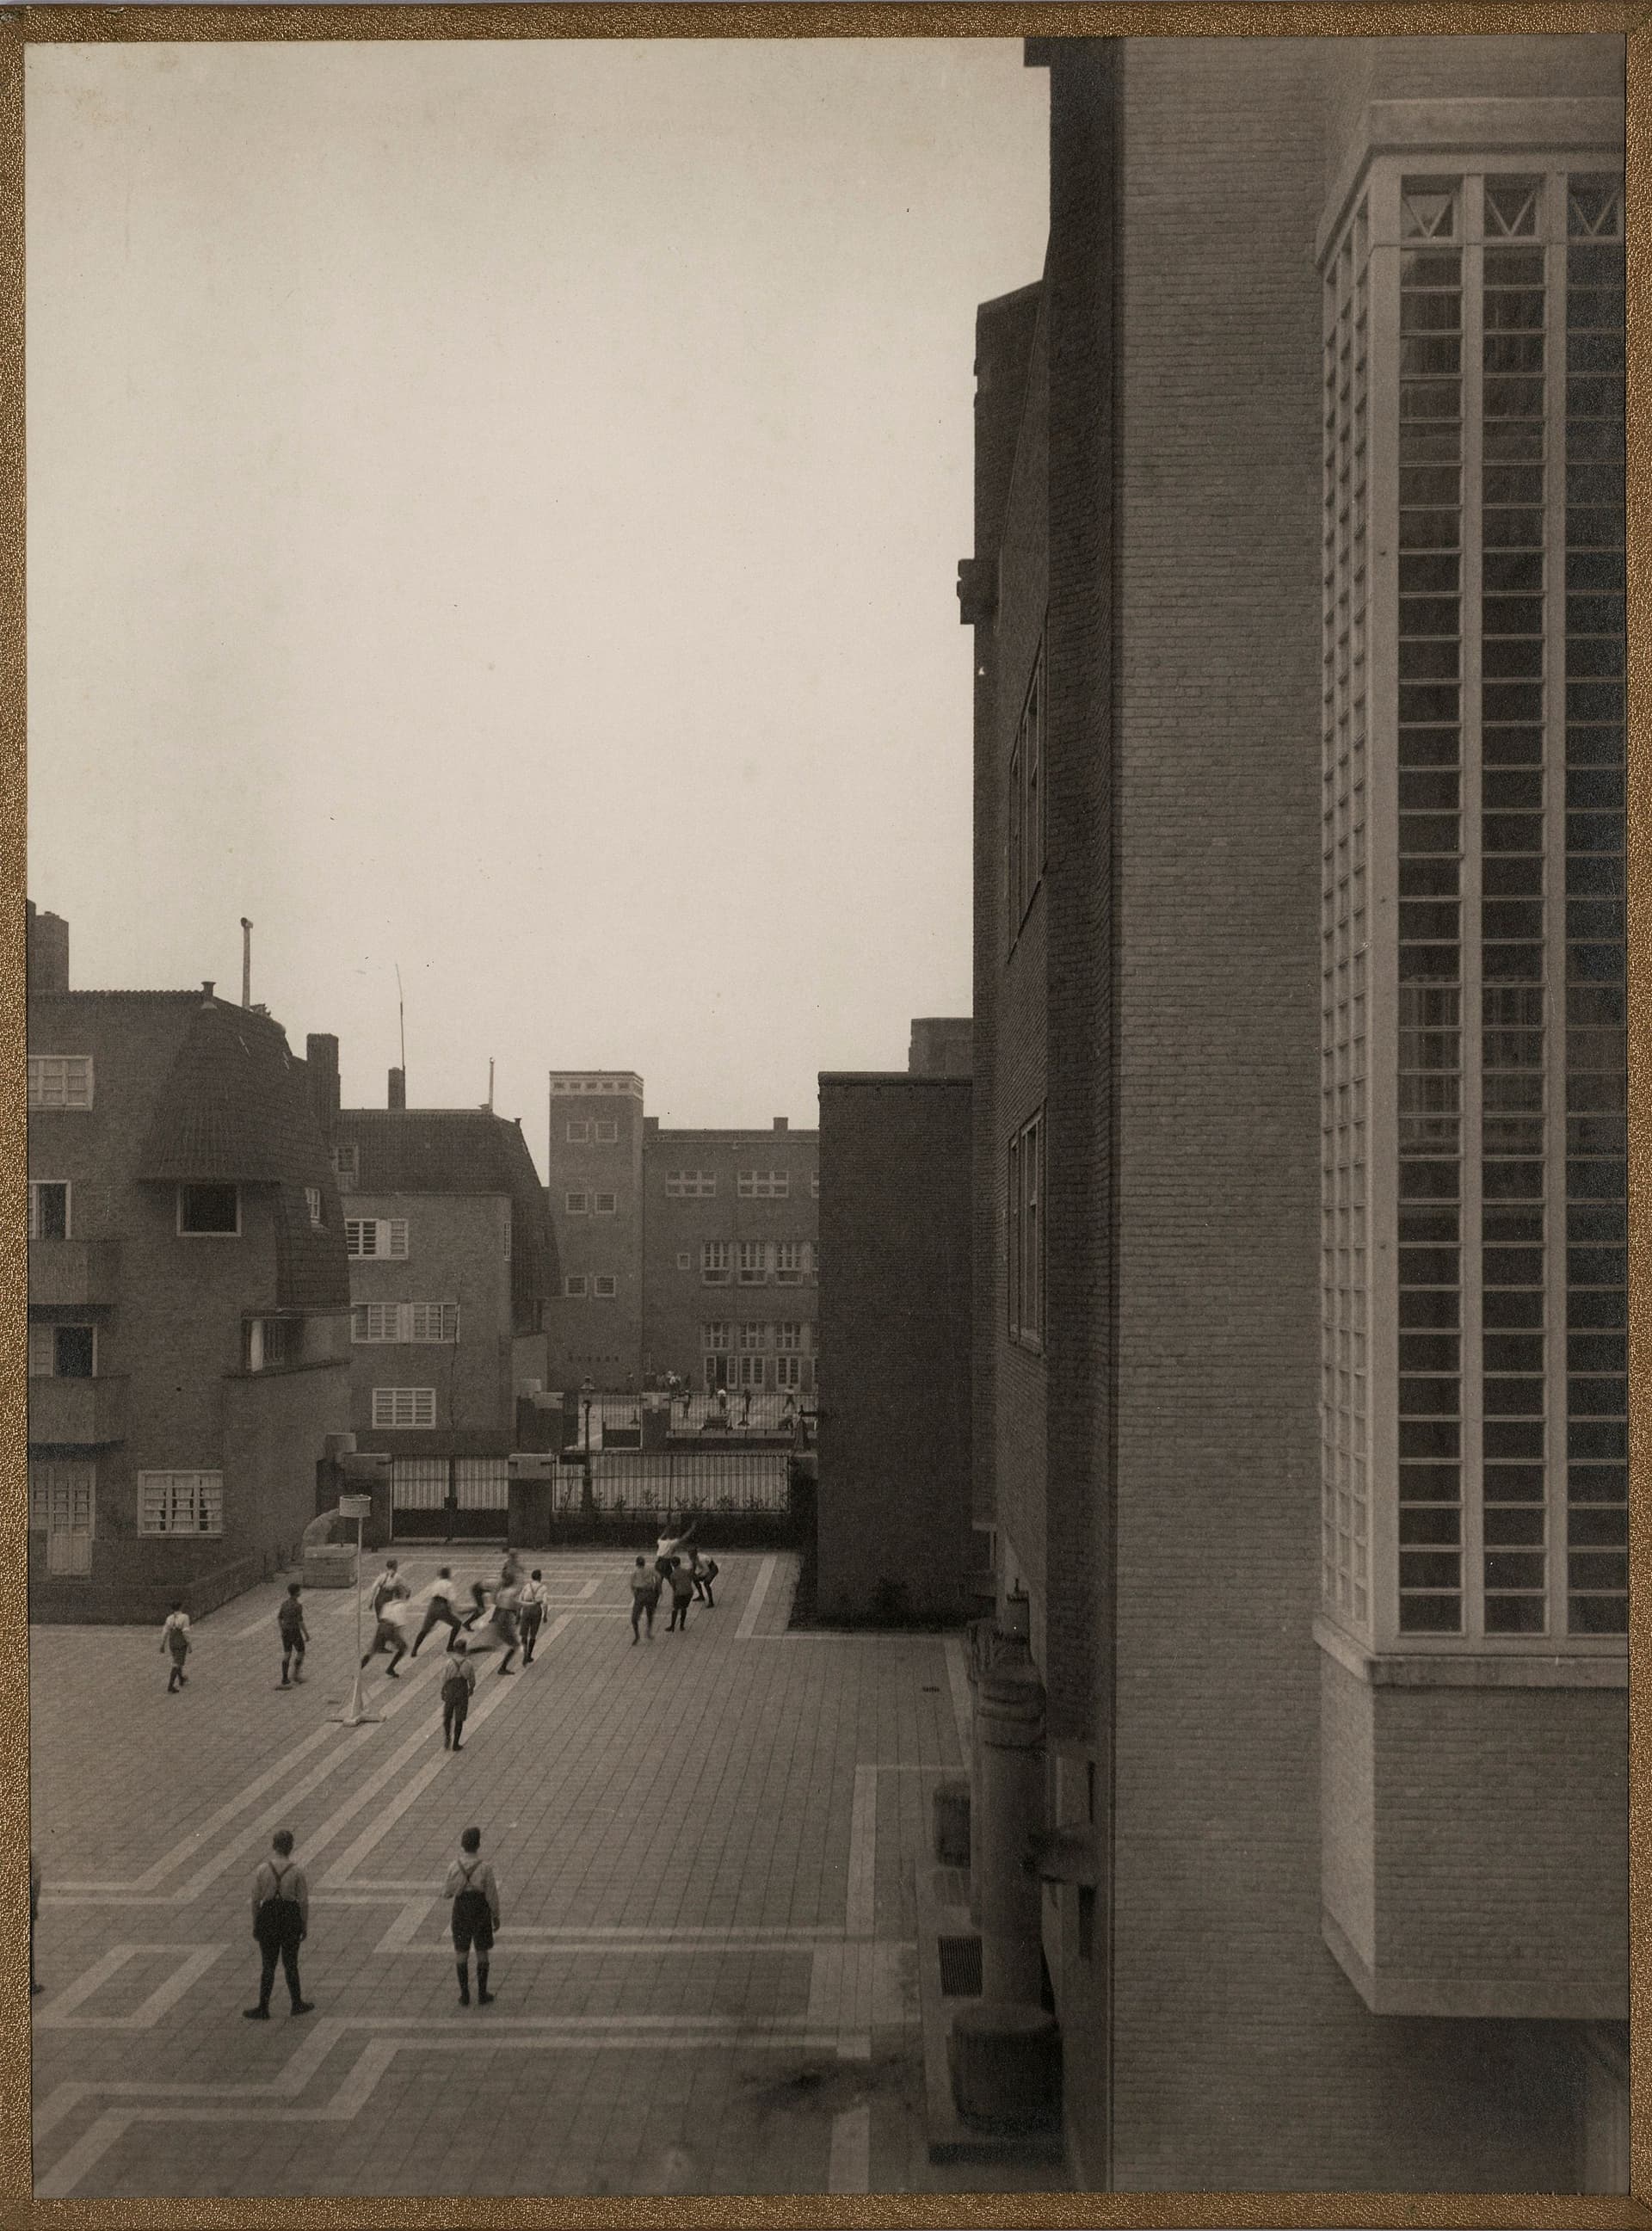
pixel 397 1087
pixel 206 988
pixel 48 950
pixel 782 1124
pixel 321 1070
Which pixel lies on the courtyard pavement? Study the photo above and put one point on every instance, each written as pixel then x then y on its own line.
pixel 706 1974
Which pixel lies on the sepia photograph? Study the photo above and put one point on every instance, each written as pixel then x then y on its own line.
pixel 826 950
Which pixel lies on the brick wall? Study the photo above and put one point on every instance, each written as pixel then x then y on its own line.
pixel 598 1339
pixel 676 1301
pixel 894 1526
pixel 455 1252
pixel 1240 2056
pixel 169 1312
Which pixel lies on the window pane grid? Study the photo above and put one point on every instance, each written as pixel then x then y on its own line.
pixel 1596 1049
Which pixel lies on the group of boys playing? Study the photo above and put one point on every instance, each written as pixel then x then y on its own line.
pixel 679 1566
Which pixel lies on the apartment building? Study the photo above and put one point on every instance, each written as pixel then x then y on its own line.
pixel 452 1268
pixel 1299 1160
pixel 688 1251
pixel 188 1296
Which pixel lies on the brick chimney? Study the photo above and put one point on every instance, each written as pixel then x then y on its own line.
pixel 322 1075
pixel 782 1124
pixel 48 950
pixel 397 1088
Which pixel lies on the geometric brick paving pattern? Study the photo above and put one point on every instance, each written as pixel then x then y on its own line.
pixel 706 1976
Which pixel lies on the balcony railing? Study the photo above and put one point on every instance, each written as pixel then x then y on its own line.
pixel 77 1413
pixel 79 1272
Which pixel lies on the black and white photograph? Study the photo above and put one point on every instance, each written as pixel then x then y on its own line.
pixel 827 1094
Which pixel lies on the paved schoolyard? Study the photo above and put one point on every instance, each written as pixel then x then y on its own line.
pixel 706 1976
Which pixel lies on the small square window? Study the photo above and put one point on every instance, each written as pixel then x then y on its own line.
pixel 603 1204
pixel 607 1134
pixel 573 1286
pixel 576 1204
pixel 605 1288
pixel 60 1080
pixel 344 1162
pixel 578 1134
pixel 684 1262
pixel 209 1211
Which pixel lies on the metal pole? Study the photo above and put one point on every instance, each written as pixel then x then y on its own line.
pixel 356 1714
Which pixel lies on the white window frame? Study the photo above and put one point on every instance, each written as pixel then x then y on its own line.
pixel 578 1134
pixel 690 1185
pixel 752 1366
pixel 789 1336
pixel 347 1161
pixel 604 1287
pixel 312 1203
pixel 788 1372
pixel 62 1080
pixel 195 1497
pixel 185 1232
pixel 36 1186
pixel 576 1204
pixel 752 1262
pixel 763 1185
pixel 575 1286
pixel 389 1243
pixel 257 1337
pixel 717 1262
pixel 714 1336
pixel 403 1409
pixel 406 1324
pixel 753 1338
pixel 606 1134
pixel 1025 1233
pixel 684 1260
pixel 789 1262
pixel 605 1204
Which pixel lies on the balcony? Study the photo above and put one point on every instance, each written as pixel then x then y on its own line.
pixel 80 1273
pixel 80 1412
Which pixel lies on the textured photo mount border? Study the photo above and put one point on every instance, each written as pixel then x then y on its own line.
pixel 815 19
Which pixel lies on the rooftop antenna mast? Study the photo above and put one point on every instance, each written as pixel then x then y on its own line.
pixel 401 1021
pixel 246 962
pixel 490 1084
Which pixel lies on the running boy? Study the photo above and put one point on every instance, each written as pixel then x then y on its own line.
pixel 682 1594
pixel 294 1635
pixel 175 1641
pixel 390 1634
pixel 439 1607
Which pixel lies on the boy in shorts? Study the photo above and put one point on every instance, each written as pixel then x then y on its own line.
pixel 474 1893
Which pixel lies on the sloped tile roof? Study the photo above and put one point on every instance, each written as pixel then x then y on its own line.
pixel 235 1110
pixel 460 1150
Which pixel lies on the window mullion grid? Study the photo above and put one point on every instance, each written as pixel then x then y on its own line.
pixel 1377 1303
pixel 1553 221
pixel 1470 1019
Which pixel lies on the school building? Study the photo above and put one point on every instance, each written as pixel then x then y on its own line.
pixel 1298 1355
pixel 188 1295
pixel 684 1251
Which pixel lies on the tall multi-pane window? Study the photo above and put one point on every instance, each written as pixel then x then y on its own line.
pixel 1596 1447
pixel 1345 1524
pixel 1474 400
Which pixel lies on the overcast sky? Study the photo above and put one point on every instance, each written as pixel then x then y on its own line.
pixel 495 509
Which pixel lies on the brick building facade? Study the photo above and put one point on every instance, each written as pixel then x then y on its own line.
pixel 453 1268
pixel 894 1532
pixel 684 1251
pixel 1297 1363
pixel 188 1298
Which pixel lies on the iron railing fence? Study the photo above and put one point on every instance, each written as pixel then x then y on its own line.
pixel 681 1484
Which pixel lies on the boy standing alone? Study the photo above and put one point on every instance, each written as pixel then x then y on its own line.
pixel 458 1686
pixel 474 1893
pixel 293 1636
pixel 281 1922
